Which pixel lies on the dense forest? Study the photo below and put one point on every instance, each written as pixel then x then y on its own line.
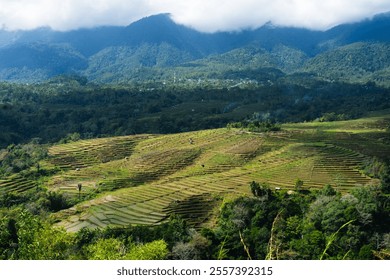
pixel 54 110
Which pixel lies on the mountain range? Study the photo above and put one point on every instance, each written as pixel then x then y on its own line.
pixel 157 48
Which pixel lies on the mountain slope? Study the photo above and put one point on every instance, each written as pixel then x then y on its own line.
pixel 253 56
pixel 373 30
pixel 157 42
pixel 27 62
pixel 143 179
pixel 358 62
pixel 124 62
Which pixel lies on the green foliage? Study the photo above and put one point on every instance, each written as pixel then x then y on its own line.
pixel 298 184
pixel 376 168
pixel 115 249
pixel 37 201
pixel 57 201
pixel 255 126
pixel 106 249
pixel 332 238
pixel 354 63
pixel 331 117
pixel 71 137
pixel 151 242
pixel 156 250
pixel 198 248
pixel 26 237
pixel 252 217
pixel 366 252
pixel 8 237
pixel 303 226
pixel 17 158
pixel 67 108
pixel 328 190
pixel 385 178
pixel 47 244
pixel 321 225
pixel 260 190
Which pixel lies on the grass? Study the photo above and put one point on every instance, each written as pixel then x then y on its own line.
pixel 143 179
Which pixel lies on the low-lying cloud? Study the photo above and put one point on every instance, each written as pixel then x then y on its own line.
pixel 207 16
pixel 212 15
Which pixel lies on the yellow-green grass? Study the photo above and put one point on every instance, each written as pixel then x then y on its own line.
pixel 369 124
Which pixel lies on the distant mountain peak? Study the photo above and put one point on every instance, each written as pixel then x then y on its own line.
pixel 158 41
pixel 154 19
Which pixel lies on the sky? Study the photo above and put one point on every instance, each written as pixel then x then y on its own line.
pixel 203 15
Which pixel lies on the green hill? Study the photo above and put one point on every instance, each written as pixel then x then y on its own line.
pixel 355 63
pixel 37 61
pixel 360 63
pixel 143 179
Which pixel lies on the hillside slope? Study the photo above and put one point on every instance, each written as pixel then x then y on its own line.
pixel 358 62
pixel 144 179
pixel 157 44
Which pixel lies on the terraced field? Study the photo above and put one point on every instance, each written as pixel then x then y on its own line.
pixel 143 179
pixel 16 183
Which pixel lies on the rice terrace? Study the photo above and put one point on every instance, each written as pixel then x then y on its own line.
pixel 141 180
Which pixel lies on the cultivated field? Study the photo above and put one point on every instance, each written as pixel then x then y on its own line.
pixel 143 179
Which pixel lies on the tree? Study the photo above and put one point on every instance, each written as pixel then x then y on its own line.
pixel 196 249
pixel 38 240
pixel 79 187
pixel 156 250
pixel 260 190
pixel 298 184
pixel 115 249
pixel 255 188
pixel 328 190
pixel 106 249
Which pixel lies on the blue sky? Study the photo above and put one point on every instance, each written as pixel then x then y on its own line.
pixel 203 15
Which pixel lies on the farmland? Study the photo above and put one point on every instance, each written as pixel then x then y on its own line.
pixel 140 182
pixel 142 179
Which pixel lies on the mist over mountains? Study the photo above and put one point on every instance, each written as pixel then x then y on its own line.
pixel 156 47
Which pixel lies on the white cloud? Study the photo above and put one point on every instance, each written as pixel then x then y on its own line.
pixel 232 15
pixel 70 14
pixel 209 16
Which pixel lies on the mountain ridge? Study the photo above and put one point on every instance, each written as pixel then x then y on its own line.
pixel 157 41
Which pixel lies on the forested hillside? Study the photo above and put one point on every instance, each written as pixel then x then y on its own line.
pixel 156 48
pixel 63 106
pixel 355 63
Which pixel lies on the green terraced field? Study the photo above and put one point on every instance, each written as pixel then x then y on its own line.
pixel 141 180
